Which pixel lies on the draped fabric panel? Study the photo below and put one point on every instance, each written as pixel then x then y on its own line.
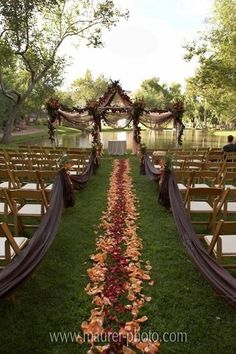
pixel 218 277
pixel 80 180
pixel 30 257
pixel 157 118
pixel 147 119
pixel 76 120
pixel 152 172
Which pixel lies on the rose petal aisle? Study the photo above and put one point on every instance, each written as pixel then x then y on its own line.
pixel 117 275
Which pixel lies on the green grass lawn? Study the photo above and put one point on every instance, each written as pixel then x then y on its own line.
pixel 54 300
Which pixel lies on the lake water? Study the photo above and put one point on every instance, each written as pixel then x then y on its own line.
pixel 153 139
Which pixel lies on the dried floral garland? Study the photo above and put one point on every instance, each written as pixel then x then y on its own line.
pixel 136 112
pixel 178 111
pixel 52 106
pixel 117 275
pixel 143 151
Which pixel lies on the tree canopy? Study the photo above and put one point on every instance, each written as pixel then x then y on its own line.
pixel 157 95
pixel 31 33
pixel 87 88
pixel 215 80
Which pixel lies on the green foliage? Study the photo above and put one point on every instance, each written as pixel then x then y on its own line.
pixel 157 95
pixel 87 88
pixel 215 79
pixel 169 161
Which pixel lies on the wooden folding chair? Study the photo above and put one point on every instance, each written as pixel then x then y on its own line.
pixel 6 207
pixel 21 164
pixel 192 165
pixel 45 164
pixel 228 180
pixel 7 179
pixel 215 156
pixel 213 166
pixel 46 179
pixel 27 179
pixel 230 166
pixel 204 201
pixel 230 156
pixel 204 179
pixel 79 165
pixel 197 156
pixel 10 246
pixel 222 243
pixel 183 179
pixel 229 206
pixel 25 203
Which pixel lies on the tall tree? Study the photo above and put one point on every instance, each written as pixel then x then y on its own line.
pixel 31 33
pixel 44 89
pixel 215 78
pixel 87 88
pixel 157 95
pixel 152 92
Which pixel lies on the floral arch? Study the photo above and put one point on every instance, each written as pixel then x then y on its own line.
pixel 110 108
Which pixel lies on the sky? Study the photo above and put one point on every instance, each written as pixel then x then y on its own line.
pixel 148 45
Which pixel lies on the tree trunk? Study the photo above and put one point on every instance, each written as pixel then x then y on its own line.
pixel 7 130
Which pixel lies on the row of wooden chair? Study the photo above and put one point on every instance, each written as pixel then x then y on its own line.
pixel 23 200
pixel 48 149
pixel 201 153
pixel 27 179
pixel 194 164
pixel 27 163
pixel 204 178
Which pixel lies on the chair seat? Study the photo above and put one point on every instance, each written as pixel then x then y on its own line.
pixel 200 206
pixel 4 184
pixel 2 209
pixel 201 185
pixel 21 242
pixel 230 186
pixel 197 160
pixel 181 187
pixel 30 186
pixel 228 244
pixel 30 210
pixel 231 207
pixel 193 167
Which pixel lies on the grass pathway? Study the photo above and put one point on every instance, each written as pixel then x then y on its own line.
pixel 54 300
